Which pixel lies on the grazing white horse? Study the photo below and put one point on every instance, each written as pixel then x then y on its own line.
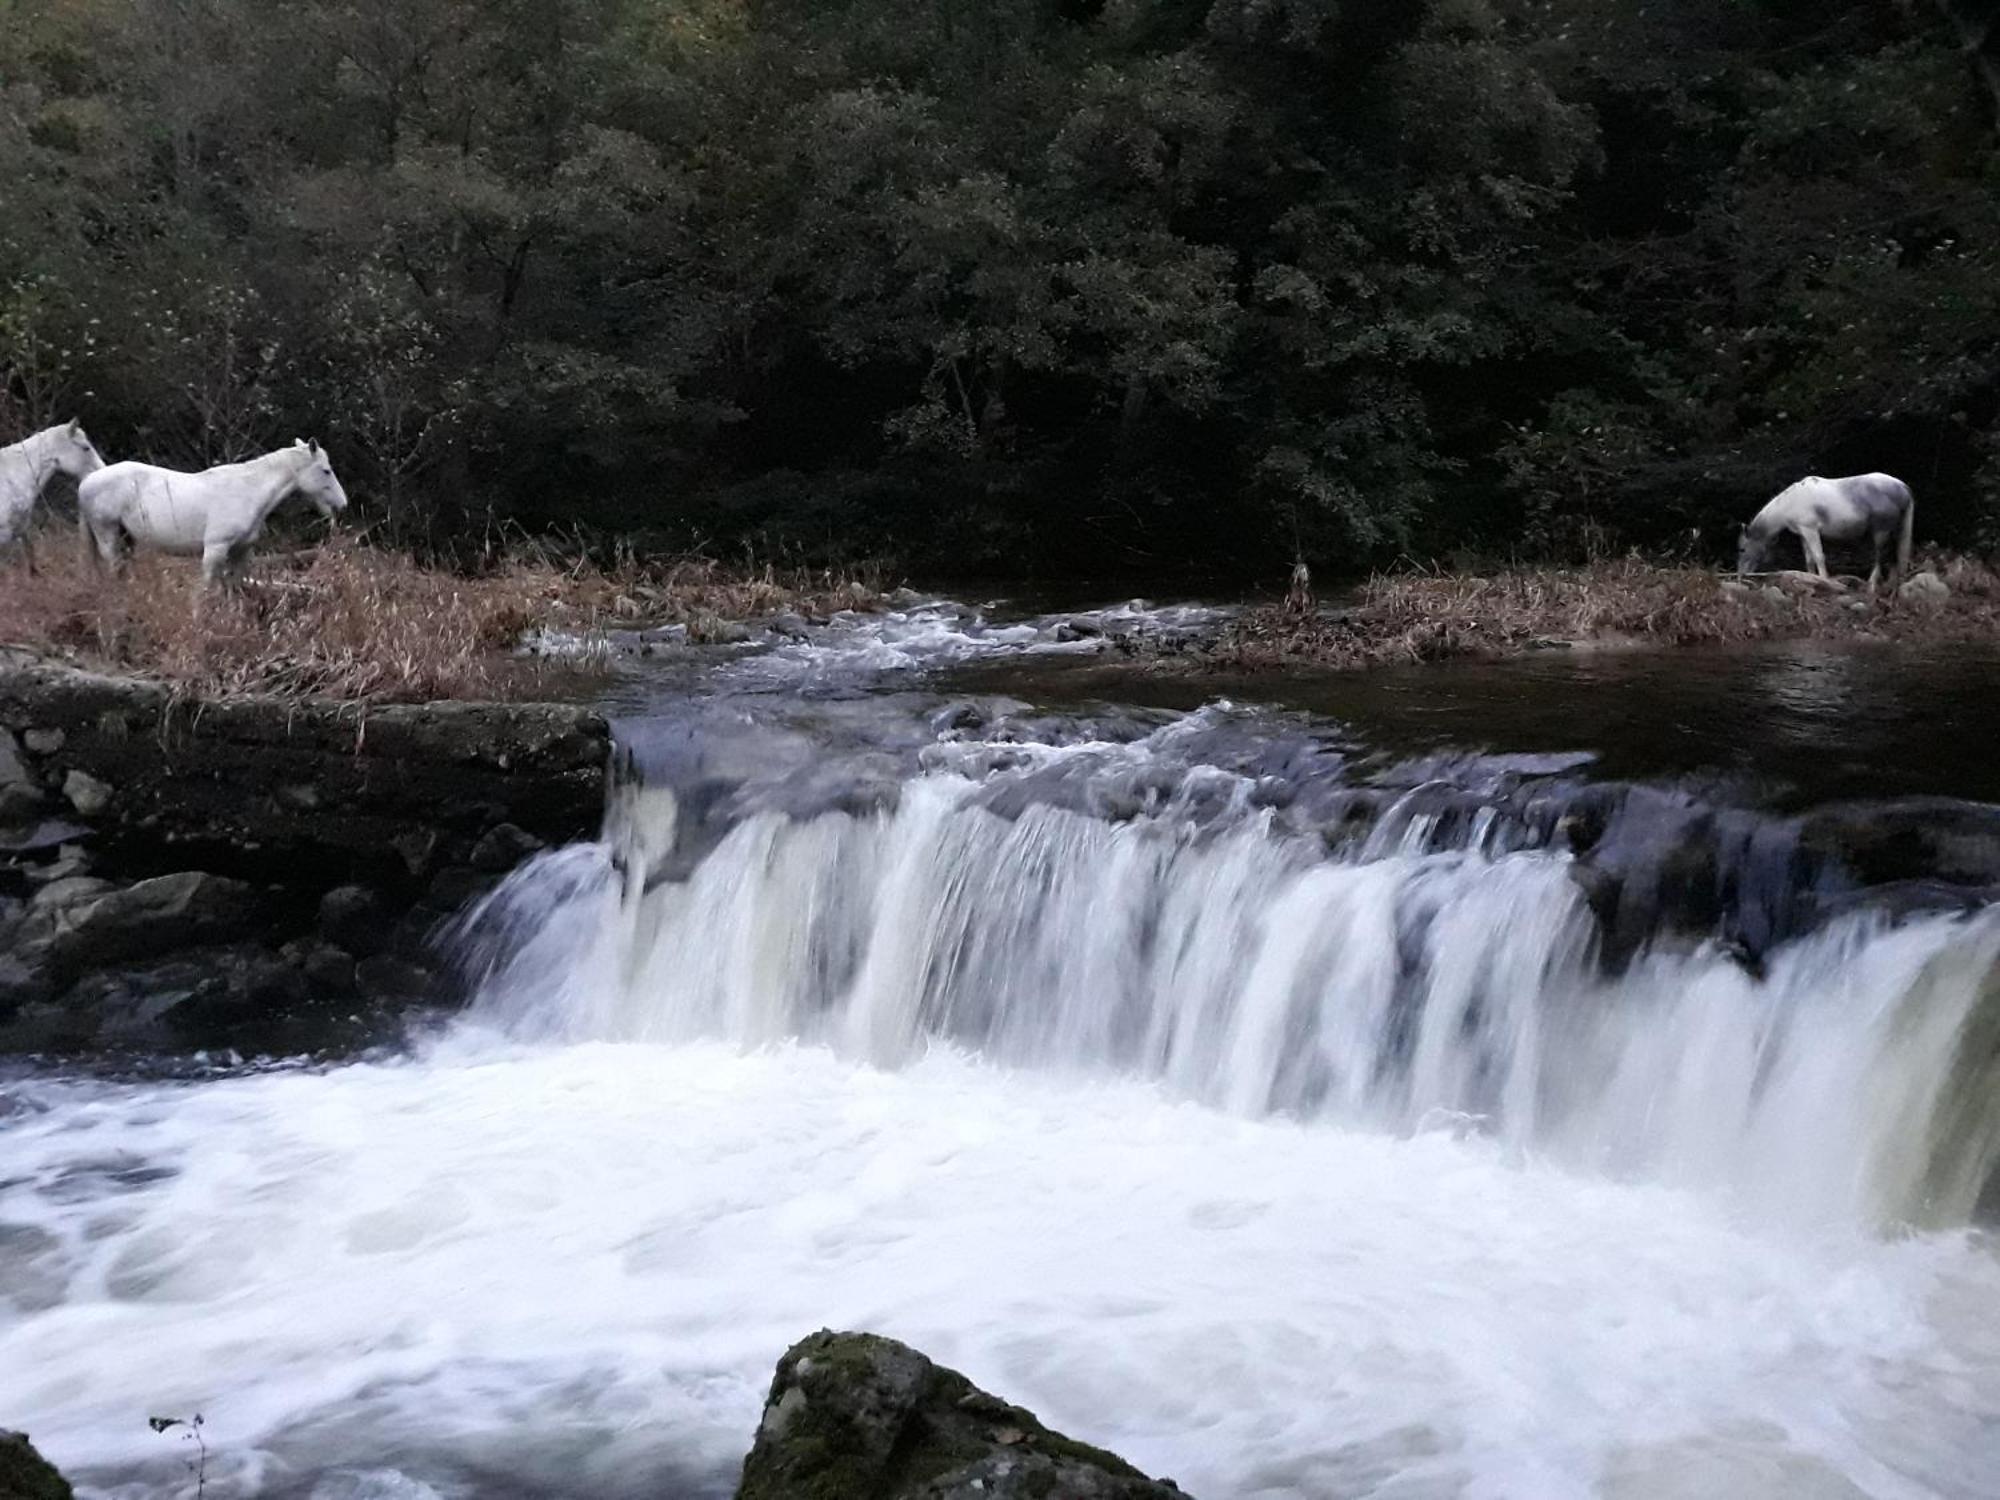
pixel 1877 506
pixel 27 466
pixel 216 514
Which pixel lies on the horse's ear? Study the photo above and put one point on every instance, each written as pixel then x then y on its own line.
pixel 298 442
pixel 315 446
pixel 75 427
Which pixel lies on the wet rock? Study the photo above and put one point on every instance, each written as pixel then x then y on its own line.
pixel 157 1003
pixel 21 983
pixel 351 917
pixel 14 770
pixel 791 627
pixel 388 978
pixel 70 860
pixel 415 933
pixel 1924 588
pixel 415 847
pixel 502 847
pixel 86 793
pixel 68 891
pixel 19 805
pixel 707 630
pixel 854 1416
pixel 198 996
pixel 150 919
pixel 329 973
pixel 959 718
pixel 44 741
pixel 458 887
pixel 1912 839
pixel 1903 900
pixel 32 835
pixel 26 1475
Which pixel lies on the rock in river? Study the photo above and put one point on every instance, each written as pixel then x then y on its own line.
pixel 146 920
pixel 854 1416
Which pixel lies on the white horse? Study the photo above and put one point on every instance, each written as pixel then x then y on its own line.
pixel 215 515
pixel 1877 506
pixel 27 466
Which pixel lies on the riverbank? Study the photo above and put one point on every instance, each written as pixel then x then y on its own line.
pixel 1422 617
pixel 349 622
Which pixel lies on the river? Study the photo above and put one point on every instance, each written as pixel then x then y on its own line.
pixel 1238 1075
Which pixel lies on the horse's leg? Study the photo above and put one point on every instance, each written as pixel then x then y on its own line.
pixel 1875 540
pixel 214 564
pixel 1815 553
pixel 102 543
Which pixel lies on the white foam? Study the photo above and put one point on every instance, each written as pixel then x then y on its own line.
pixel 570 1270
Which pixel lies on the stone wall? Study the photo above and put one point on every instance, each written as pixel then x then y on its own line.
pixel 173 870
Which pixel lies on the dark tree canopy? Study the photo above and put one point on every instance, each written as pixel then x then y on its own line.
pixel 1067 284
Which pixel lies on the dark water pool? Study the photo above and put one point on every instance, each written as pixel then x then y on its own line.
pixel 1797 724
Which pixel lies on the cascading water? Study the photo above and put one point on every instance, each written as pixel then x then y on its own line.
pixel 1424 975
pixel 1457 1132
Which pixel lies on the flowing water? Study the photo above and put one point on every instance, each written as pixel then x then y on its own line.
pixel 1266 1092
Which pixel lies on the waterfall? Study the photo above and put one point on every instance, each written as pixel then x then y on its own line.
pixel 1425 973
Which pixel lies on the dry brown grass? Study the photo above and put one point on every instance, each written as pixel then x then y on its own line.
pixel 1419 617
pixel 349 621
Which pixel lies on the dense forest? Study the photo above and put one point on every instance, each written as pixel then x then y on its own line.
pixel 1010 284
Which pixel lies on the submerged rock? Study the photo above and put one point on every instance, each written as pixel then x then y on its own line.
pixel 854 1416
pixel 25 1474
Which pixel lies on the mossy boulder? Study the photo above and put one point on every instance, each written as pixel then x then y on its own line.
pixel 25 1474
pixel 854 1416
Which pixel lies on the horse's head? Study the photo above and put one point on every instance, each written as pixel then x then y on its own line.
pixel 317 481
pixel 72 451
pixel 1751 552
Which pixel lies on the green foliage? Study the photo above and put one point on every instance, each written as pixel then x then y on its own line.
pixel 1071 283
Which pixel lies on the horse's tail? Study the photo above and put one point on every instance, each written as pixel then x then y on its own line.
pixel 1908 535
pixel 87 539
